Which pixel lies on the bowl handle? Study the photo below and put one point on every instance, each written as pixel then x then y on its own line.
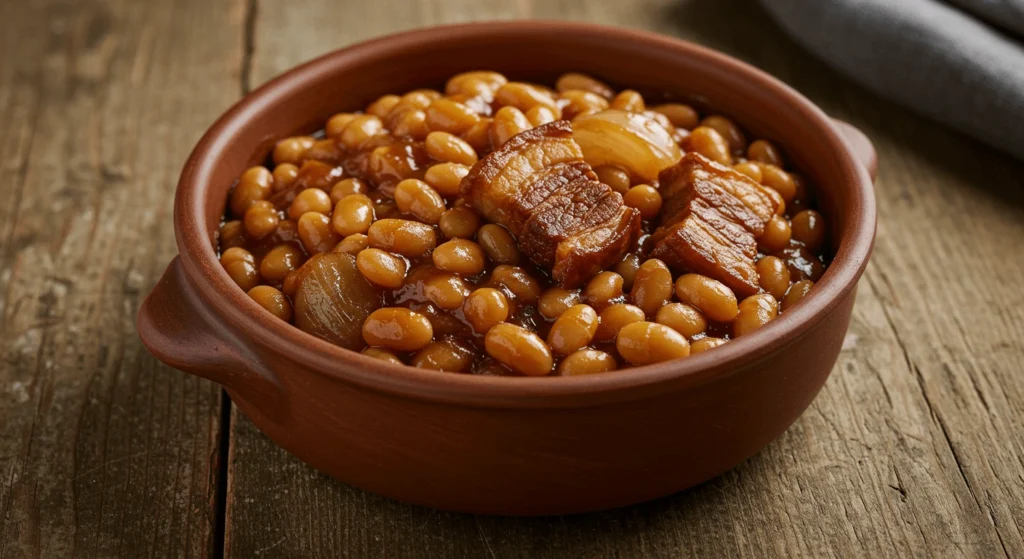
pixel 860 144
pixel 176 326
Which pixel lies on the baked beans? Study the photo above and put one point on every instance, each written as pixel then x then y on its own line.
pixel 273 300
pixel 460 256
pixel 652 286
pixel 445 178
pixel 582 82
pixel 360 130
pixel 586 362
pixel 778 180
pixel 796 293
pixel 353 214
pixel 309 200
pixel 751 169
pixel 447 291
pixel 382 268
pixel 241 267
pixel 446 147
pixel 445 115
pixel 572 330
pixel 645 198
pixel 402 236
pixel 555 300
pixel 773 276
pixel 615 317
pixel 316 233
pixel 437 286
pixel 352 244
pixel 710 143
pixel 445 355
pixel 754 312
pixel 519 349
pixel 540 115
pixel 682 318
pixel 680 115
pixel 524 97
pixel 629 100
pixel 710 296
pixel 417 198
pixel 475 83
pixel 809 229
pixel 292 150
pixel 279 261
pixel 397 329
pixel 581 103
pixel 479 135
pixel 460 222
pixel 508 122
pixel 261 219
pixel 498 244
pixel 603 289
pixel 348 186
pixel 485 308
pixel 337 123
pixel 254 186
pixel 524 287
pixel 643 343
pixel 704 344
pixel 728 130
pixel 764 151
pixel 777 233
pixel 627 268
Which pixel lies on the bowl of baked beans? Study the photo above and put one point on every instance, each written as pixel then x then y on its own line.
pixel 520 267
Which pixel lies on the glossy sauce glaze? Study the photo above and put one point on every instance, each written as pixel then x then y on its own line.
pixel 345 232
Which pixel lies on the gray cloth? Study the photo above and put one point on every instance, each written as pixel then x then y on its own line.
pixel 1008 14
pixel 927 55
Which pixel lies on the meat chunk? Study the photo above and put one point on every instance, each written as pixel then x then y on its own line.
pixel 735 195
pixel 707 243
pixel 509 182
pixel 711 219
pixel 539 188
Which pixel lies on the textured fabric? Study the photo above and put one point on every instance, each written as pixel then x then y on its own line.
pixel 1007 14
pixel 927 55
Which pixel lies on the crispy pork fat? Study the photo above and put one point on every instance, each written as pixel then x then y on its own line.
pixel 711 219
pixel 539 188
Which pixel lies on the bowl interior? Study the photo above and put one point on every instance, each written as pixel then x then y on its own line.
pixel 356 78
pixel 301 100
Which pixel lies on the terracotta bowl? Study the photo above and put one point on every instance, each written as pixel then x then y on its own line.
pixel 502 445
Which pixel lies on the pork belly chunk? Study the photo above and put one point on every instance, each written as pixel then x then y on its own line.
pixel 738 197
pixel 539 188
pixel 711 219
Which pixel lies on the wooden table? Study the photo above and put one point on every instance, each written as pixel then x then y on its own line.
pixel 914 447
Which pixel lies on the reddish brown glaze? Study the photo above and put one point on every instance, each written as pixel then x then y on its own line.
pixel 564 219
pixel 494 444
pixel 711 220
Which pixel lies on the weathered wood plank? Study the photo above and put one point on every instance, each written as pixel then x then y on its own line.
pixel 916 445
pixel 103 450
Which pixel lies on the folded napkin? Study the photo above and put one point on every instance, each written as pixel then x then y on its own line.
pixel 962 66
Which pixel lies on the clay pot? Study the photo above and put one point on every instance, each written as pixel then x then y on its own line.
pixel 504 445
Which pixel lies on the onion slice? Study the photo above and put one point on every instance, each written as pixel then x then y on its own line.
pixel 632 141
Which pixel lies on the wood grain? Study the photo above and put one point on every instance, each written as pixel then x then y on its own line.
pixel 103 450
pixel 916 445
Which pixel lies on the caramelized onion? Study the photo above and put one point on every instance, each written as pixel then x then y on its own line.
pixel 632 141
pixel 333 299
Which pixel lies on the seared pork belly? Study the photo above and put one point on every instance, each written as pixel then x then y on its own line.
pixel 711 219
pixel 539 188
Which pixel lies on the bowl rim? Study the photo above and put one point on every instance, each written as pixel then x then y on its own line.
pixel 234 306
